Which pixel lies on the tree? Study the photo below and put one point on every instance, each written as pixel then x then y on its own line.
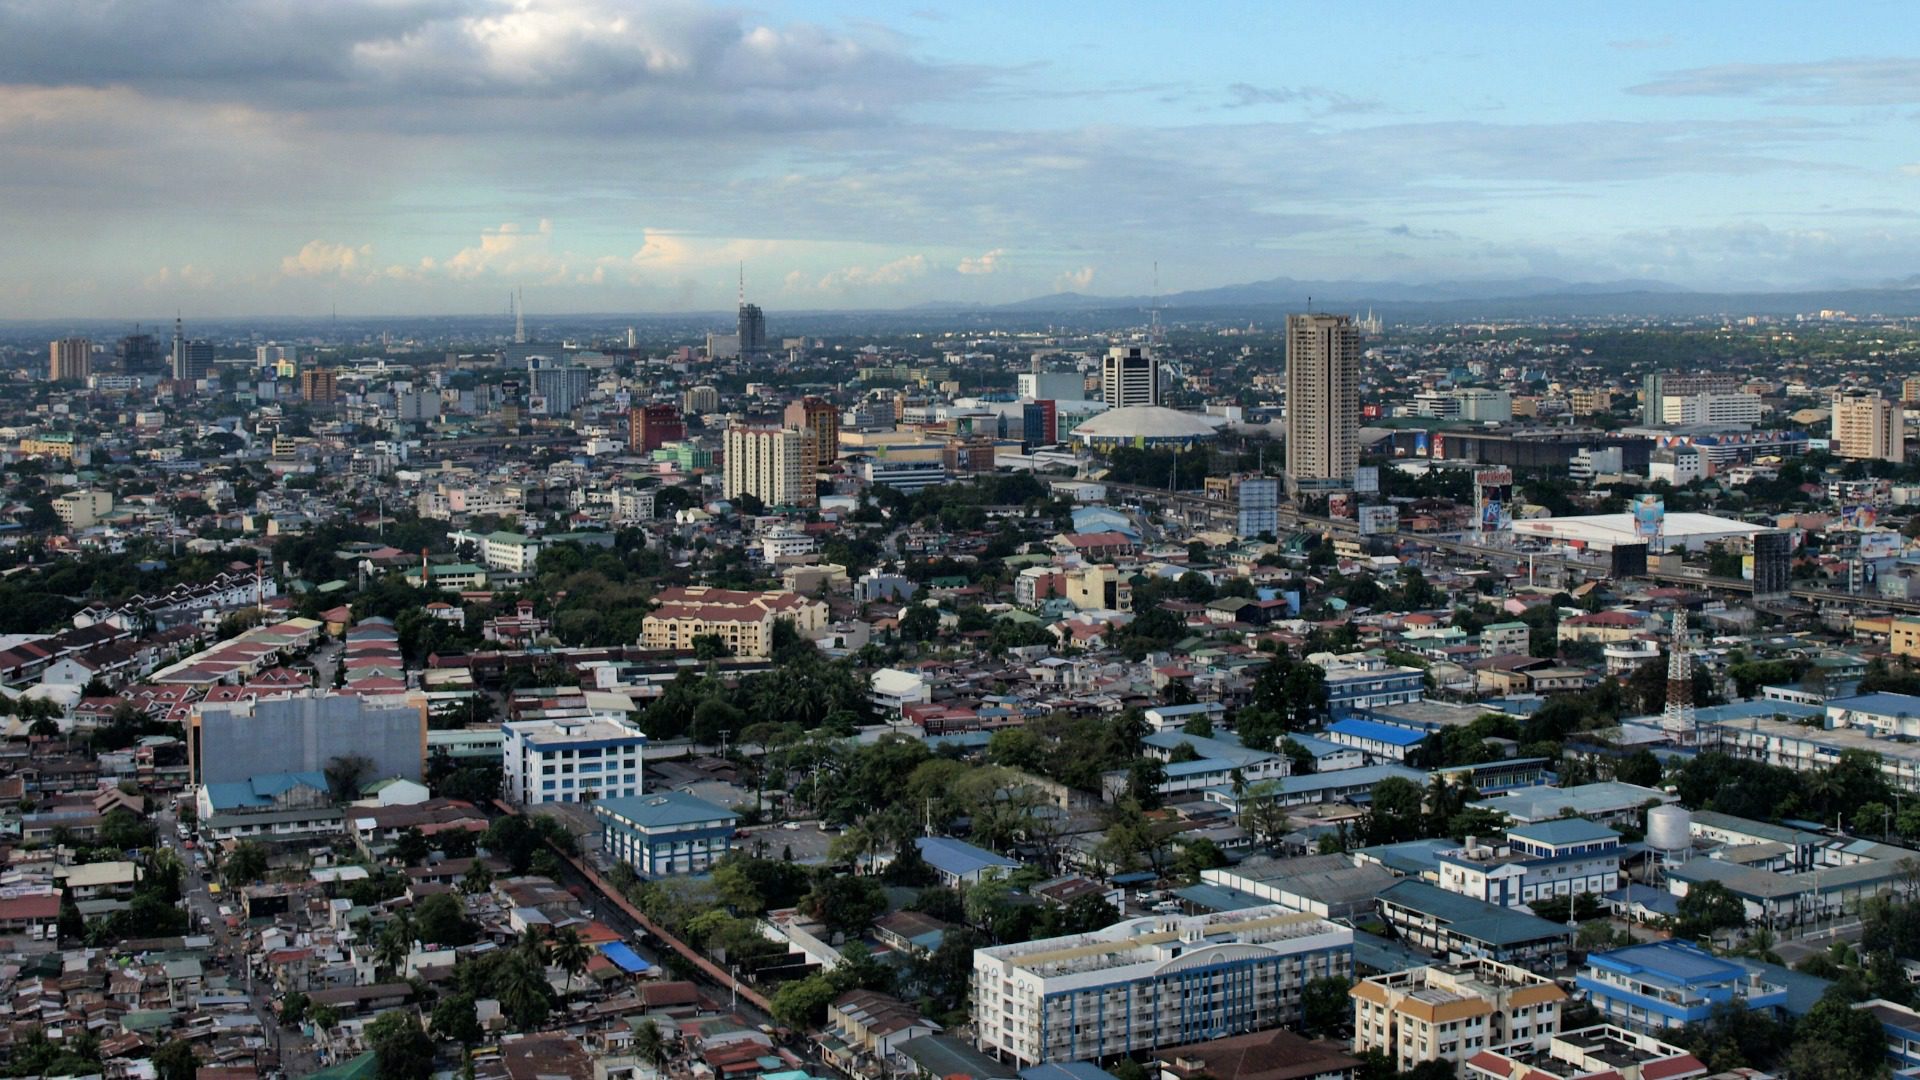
pixel 919 623
pixel 803 1002
pixel 175 1060
pixel 391 951
pixel 521 987
pixel 293 1008
pixel 1639 767
pixel 650 1044
pixel 1325 1007
pixel 454 1017
pixel 1195 856
pixel 1395 813
pixel 479 879
pixel 570 953
pixel 345 774
pixel 442 920
pixel 846 904
pixel 410 847
pixel 401 1050
pixel 1855 1033
pixel 1709 906
pixel 245 864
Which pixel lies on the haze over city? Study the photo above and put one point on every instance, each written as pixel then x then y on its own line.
pixel 415 156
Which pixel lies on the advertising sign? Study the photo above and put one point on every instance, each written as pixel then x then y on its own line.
pixel 1366 480
pixel 1649 517
pixel 1493 499
pixel 1340 504
pixel 1379 520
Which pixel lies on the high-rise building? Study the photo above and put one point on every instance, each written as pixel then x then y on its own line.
pixel 1772 563
pixel 557 387
pixel 319 386
pixel 769 464
pixel 138 353
pixel 1910 390
pixel 649 427
pixel 70 360
pixel 1039 423
pixel 1323 402
pixel 1259 506
pixel 1868 427
pixel 192 360
pixel 1661 385
pixel 1142 984
pixel 1710 408
pixel 1129 375
pixel 1053 385
pixel 700 400
pixel 752 330
pixel 816 417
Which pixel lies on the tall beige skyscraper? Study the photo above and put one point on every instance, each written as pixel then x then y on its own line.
pixel 70 360
pixel 1323 402
pixel 768 463
pixel 1129 375
pixel 1868 427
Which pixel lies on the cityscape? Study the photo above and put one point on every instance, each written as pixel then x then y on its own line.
pixel 979 593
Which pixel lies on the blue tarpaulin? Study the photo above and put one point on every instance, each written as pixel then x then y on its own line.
pixel 623 956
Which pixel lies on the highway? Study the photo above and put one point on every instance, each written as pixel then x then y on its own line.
pixel 1294 520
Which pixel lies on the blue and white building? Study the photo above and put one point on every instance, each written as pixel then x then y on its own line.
pixel 665 833
pixel 1563 857
pixel 1378 741
pixel 548 761
pixel 1369 682
pixel 1670 984
pixel 1147 983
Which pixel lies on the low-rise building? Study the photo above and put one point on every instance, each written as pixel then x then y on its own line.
pixel 1601 1052
pixel 1461 928
pixel 668 832
pixel 1563 857
pixel 1452 1012
pixel 743 621
pixel 1669 984
pixel 571 760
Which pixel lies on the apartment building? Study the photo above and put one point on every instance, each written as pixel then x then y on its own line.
pixel 1563 857
pixel 1149 983
pixel 742 620
pixel 1452 1012
pixel 570 760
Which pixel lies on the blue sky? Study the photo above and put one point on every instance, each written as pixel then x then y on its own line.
pixel 240 157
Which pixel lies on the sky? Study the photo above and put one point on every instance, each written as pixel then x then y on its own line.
pixel 290 157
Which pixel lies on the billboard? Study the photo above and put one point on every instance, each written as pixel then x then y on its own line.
pixel 1439 445
pixel 1493 499
pixel 1421 448
pixel 1340 504
pixel 1649 517
pixel 1379 520
pixel 1366 480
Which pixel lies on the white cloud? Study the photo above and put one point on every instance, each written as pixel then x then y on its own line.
pixel 897 272
pixel 982 264
pixel 509 251
pixel 318 258
pixel 1074 280
pixel 186 276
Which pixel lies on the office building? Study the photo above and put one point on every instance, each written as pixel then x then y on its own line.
pixel 650 427
pixel 768 463
pixel 1259 506
pixel 1458 927
pixel 1129 375
pixel 1563 857
pixel 70 360
pixel 305 732
pixel 1711 409
pixel 1323 402
pixel 1052 385
pixel 192 359
pixel 556 387
pixel 1039 424
pixel 572 760
pixel 319 386
pixel 820 422
pixel 668 832
pixel 1661 385
pixel 752 330
pixel 1867 427
pixel 82 509
pixel 1670 984
pixel 700 400
pixel 138 354
pixel 743 621
pixel 1450 1013
pixel 416 406
pixel 1144 984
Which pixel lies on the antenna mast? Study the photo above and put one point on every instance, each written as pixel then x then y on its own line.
pixel 519 316
pixel 1679 718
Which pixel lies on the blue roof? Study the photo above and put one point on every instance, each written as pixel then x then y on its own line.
pixel 1319 747
pixel 1757 710
pixel 1375 731
pixel 1232 753
pixel 1564 831
pixel 1656 900
pixel 1673 962
pixel 260 791
pixel 1883 703
pixel 1066 1070
pixel 1210 897
pixel 1411 857
pixel 1473 919
pixel 624 957
pixel 959 858
pixel 663 809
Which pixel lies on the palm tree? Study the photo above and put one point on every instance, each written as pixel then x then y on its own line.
pixel 390 954
pixel 523 991
pixel 533 944
pixel 478 879
pixel 650 1044
pixel 571 952
pixel 856 845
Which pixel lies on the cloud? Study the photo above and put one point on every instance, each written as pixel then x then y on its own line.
pixel 982 264
pixel 897 272
pixel 186 276
pixel 318 258
pixel 1850 81
pixel 1074 280
pixel 509 251
pixel 1246 95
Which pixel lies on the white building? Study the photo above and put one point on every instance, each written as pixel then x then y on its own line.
pixel 1538 862
pixel 560 760
pixel 1053 385
pixel 1711 409
pixel 1147 983
pixel 1679 465
pixel 767 463
pixel 1129 375
pixel 501 550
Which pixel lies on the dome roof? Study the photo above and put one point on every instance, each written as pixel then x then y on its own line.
pixel 1145 421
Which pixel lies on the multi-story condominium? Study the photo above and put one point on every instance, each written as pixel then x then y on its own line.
pixel 668 832
pixel 768 463
pixel 501 550
pixel 817 417
pixel 448 501
pixel 1148 983
pixel 1868 427
pixel 70 360
pixel 1129 375
pixel 1712 409
pixel 1259 506
pixel 742 620
pixel 1670 984
pixel 1323 402
pixel 1453 1012
pixel 564 760
pixel 1505 639
pixel 1539 861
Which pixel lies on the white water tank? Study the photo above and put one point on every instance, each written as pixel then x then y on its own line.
pixel 1669 828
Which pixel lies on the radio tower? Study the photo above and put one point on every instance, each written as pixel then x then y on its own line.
pixel 519 317
pixel 1155 332
pixel 1678 720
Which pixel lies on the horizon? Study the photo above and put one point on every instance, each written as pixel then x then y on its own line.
pixel 397 158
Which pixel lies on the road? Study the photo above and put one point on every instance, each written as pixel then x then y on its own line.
pixel 230 952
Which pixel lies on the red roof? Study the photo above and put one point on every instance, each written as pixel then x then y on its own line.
pixel 1491 1062
pixel 1684 1065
